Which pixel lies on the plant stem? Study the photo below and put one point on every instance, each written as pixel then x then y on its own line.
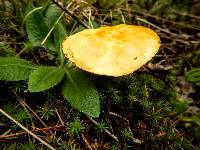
pixel 52 28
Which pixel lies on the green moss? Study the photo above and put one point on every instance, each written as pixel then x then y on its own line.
pixel 194 76
pixel 76 127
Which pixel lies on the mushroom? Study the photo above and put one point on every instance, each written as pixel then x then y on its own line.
pixel 112 50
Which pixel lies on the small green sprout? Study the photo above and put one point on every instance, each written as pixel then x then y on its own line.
pixel 126 134
pixel 75 127
pixel 21 116
pixel 100 127
pixel 27 146
pixel 46 111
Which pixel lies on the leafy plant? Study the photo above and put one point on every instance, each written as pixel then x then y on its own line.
pixel 126 134
pixel 193 118
pixel 101 127
pixel 37 27
pixel 81 92
pixel 14 69
pixel 75 127
pixel 39 77
pixel 44 28
pixel 6 50
pixel 194 76
pixel 107 4
pixel 21 116
pixel 27 146
pixel 180 105
pixel 46 111
pixel 12 146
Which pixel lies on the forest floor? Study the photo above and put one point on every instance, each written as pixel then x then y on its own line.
pixel 156 107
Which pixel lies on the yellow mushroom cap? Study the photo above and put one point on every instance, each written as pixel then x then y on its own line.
pixel 112 50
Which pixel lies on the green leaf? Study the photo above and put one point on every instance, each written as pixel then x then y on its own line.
pixel 91 1
pixel 108 4
pixel 59 35
pixel 81 92
pixel 180 105
pixel 194 118
pixel 39 26
pixel 194 76
pixel 44 78
pixel 37 29
pixel 52 14
pixel 14 69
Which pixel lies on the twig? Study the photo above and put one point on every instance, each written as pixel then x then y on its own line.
pixel 88 15
pixel 163 30
pixel 114 114
pixel 27 130
pixel 159 66
pixel 62 122
pixel 175 39
pixel 25 105
pixel 49 128
pixel 186 14
pixel 15 135
pixel 122 16
pixel 165 20
pixel 134 139
pixel 86 142
pixel 59 4
pixel 108 132
pixel 153 25
pixel 6 133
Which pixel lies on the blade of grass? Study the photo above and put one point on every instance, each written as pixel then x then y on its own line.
pixel 29 13
pixel 52 28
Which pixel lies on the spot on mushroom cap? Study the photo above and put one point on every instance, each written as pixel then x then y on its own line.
pixel 112 50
